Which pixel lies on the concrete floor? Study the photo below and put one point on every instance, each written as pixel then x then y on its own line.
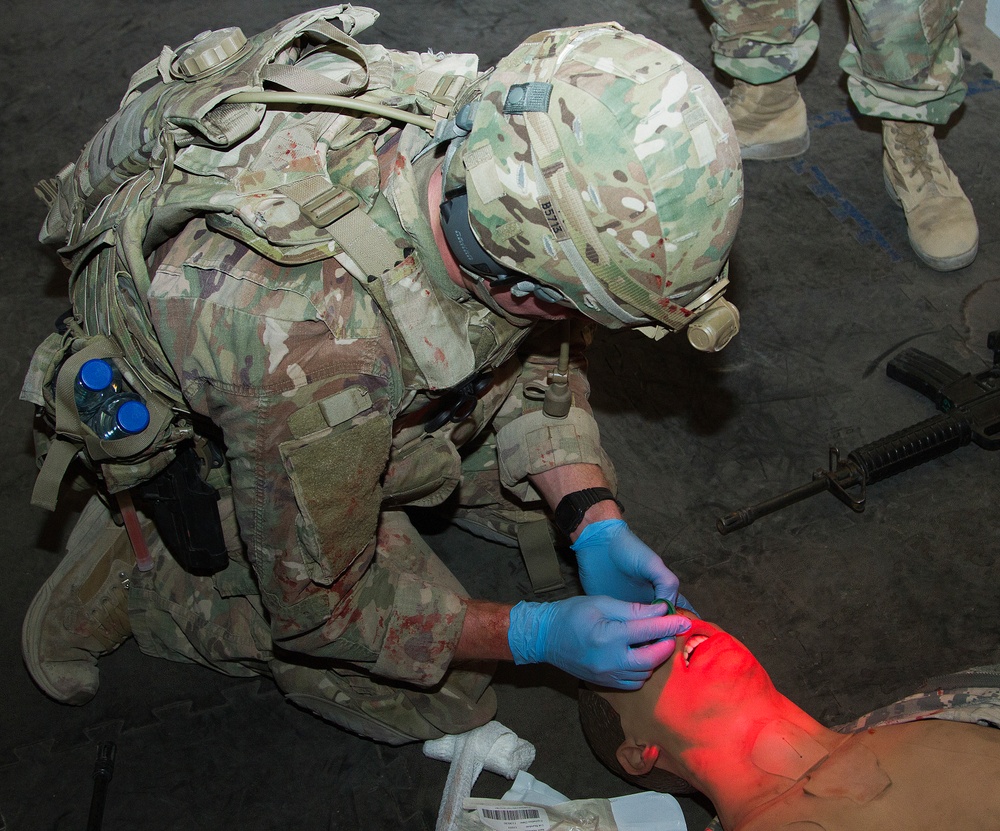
pixel 847 611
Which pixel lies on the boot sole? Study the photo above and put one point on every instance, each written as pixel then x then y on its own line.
pixel 776 151
pixel 30 641
pixel 937 263
pixel 947 263
pixel 32 627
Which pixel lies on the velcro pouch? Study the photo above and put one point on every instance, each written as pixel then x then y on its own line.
pixel 336 475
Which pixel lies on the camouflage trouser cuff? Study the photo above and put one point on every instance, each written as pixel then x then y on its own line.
pixel 536 442
pixel 886 101
pixel 763 61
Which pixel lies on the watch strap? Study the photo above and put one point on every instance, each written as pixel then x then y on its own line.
pixel 571 508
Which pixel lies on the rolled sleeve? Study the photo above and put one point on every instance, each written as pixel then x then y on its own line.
pixel 536 442
pixel 530 442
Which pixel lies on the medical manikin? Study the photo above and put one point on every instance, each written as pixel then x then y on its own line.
pixel 710 718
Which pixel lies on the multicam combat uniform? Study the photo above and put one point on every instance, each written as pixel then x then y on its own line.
pixel 317 396
pixel 902 58
pixel 269 280
pixel 319 376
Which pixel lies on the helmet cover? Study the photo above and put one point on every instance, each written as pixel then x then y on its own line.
pixel 604 165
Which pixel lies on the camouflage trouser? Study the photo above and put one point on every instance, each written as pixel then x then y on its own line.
pixel 902 58
pixel 218 622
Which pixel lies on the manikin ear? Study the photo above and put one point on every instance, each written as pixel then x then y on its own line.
pixel 637 759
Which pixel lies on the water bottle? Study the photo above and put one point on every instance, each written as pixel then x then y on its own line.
pixel 96 381
pixel 120 415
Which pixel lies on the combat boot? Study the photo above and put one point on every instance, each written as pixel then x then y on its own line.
pixel 81 612
pixel 770 119
pixel 939 217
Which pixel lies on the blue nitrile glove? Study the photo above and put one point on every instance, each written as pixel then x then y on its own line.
pixel 592 637
pixel 683 603
pixel 615 562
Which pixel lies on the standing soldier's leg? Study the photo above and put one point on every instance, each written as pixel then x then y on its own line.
pixel 905 67
pixel 761 44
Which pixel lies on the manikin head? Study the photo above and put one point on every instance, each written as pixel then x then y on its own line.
pixel 682 725
pixel 711 716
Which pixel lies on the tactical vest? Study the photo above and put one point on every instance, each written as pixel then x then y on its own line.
pixel 194 137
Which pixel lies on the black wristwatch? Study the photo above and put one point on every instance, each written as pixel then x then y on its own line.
pixel 569 513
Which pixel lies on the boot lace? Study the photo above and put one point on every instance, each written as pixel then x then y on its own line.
pixel 913 145
pixel 110 615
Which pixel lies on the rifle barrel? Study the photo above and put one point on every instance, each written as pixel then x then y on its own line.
pixel 745 516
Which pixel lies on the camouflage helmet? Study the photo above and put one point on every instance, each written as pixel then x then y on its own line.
pixel 605 166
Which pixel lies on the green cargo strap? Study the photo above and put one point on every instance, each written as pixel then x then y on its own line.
pixel 366 243
pixel 539 556
pixel 45 493
pixel 322 202
pixel 299 79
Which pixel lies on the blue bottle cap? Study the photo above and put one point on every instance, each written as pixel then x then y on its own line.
pixel 132 416
pixel 96 374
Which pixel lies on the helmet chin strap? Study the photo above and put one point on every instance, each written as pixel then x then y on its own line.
pixel 476 263
pixel 547 295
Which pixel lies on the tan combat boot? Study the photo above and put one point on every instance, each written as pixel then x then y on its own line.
pixel 770 119
pixel 939 217
pixel 81 612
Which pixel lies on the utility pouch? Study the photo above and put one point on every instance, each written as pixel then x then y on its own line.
pixel 423 473
pixel 58 363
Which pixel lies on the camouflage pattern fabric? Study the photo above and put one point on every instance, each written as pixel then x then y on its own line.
pixel 218 622
pixel 902 58
pixel 323 417
pixel 318 368
pixel 623 191
pixel 972 696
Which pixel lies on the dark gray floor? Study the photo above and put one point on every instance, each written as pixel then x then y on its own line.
pixel 846 610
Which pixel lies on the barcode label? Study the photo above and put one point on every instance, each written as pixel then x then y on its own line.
pixel 514 818
pixel 511 813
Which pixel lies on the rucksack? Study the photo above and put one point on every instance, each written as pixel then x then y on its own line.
pixel 194 137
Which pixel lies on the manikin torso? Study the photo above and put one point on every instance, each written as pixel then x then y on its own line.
pixel 930 775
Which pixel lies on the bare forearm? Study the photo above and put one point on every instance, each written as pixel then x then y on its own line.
pixel 484 632
pixel 555 483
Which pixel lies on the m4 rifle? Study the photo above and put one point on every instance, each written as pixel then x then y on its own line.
pixel 970 412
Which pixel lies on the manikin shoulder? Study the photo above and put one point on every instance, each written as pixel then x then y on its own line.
pixel 929 774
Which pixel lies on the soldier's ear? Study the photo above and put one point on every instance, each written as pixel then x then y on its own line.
pixel 636 758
